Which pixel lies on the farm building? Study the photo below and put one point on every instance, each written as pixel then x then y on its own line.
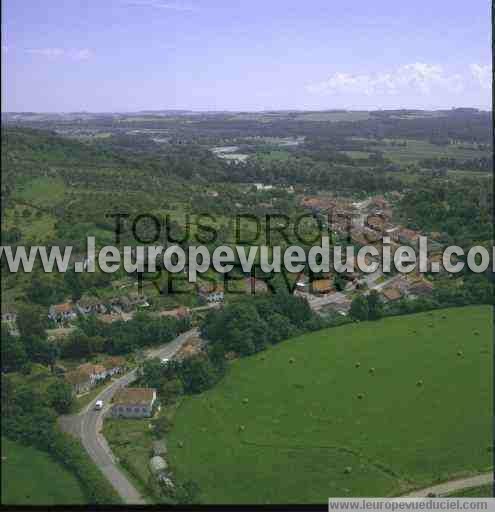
pixel 134 402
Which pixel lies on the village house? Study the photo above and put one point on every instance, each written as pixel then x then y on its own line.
pixel 212 294
pixel 421 288
pixel 408 237
pixel 371 235
pixel 318 203
pixel 79 380
pixel 375 222
pixel 322 286
pixel 62 312
pixel 255 286
pixel 358 237
pixel 96 372
pixel 379 202
pixel 392 232
pixel 128 303
pixel 134 402
pixel 114 365
pixel 88 305
pixel 391 294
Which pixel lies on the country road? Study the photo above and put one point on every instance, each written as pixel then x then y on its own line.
pixel 452 486
pixel 88 423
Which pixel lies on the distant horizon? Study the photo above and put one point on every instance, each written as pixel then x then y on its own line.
pixel 264 111
pixel 217 55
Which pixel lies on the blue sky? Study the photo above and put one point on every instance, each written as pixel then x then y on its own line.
pixel 128 55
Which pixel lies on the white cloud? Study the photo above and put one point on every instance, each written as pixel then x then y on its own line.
pixel 483 74
pixel 83 54
pixel 159 4
pixel 416 77
pixel 53 53
pixel 47 52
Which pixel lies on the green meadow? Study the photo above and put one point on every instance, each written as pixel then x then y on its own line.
pixel 366 409
pixel 31 477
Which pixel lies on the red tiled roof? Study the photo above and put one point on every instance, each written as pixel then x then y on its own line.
pixel 63 308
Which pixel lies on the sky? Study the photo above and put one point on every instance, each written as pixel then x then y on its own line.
pixel 131 55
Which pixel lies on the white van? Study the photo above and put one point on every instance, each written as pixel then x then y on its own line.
pixel 98 405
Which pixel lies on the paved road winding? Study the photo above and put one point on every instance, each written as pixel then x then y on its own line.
pixel 88 423
pixel 453 486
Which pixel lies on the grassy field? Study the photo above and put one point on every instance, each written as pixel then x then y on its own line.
pixel 31 477
pixel 43 192
pixel 276 432
pixel 416 150
pixel 333 117
pixel 131 441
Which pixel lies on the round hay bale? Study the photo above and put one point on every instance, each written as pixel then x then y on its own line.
pixel 476 333
pixel 242 428
pixel 360 396
pixel 180 444
pixel 460 353
pixel 348 470
pixel 292 360
pixel 245 400
pixel 419 383
pixel 372 371
pixel 358 365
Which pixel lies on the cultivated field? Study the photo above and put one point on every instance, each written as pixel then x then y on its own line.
pixel 31 477
pixel 369 409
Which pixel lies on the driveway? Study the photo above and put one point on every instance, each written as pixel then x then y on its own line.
pixel 87 425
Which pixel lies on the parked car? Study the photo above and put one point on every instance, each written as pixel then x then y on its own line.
pixel 99 405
